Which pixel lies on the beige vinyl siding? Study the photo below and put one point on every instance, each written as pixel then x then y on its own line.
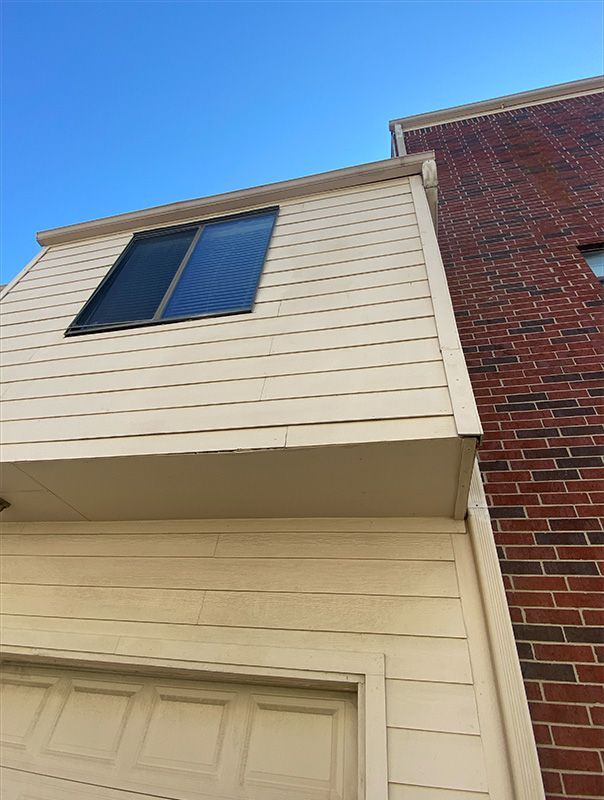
pixel 343 331
pixel 181 590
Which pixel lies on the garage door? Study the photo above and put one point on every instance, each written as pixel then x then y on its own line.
pixel 78 734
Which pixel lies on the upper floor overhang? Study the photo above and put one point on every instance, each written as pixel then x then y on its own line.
pixel 345 391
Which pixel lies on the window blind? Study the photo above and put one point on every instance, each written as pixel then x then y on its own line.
pixel 198 270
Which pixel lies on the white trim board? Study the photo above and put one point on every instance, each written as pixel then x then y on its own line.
pixel 496 105
pixel 465 411
pixel 241 200
pixel 525 770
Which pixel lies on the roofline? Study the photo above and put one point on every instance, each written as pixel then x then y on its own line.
pixel 547 94
pixel 258 196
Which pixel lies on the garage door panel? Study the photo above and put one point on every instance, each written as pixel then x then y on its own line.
pixel 91 721
pixel 183 740
pixel 185 743
pixel 22 698
pixel 170 740
pixel 294 747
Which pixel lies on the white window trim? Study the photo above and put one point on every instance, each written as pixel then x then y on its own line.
pixel 362 672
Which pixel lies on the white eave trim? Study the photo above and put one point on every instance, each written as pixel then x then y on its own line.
pixel 547 94
pixel 465 411
pixel 269 194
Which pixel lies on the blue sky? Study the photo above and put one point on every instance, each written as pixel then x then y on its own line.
pixel 113 106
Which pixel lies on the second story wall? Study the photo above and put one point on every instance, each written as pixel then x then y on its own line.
pixel 343 330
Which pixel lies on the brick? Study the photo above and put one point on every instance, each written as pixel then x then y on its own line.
pixel 552 783
pixel 521 568
pixel 563 652
pixel 586 583
pixel 563 537
pixel 597 716
pixel 542 671
pixel 578 600
pixel 573 692
pixel 499 512
pixel 534 552
pixel 533 690
pixel 578 737
pixel 591 673
pixel 557 713
pixel 539 633
pixel 527 599
pixel 577 760
pixel 542 734
pixel 539 582
pixel 555 616
pixel 546 452
pixel 555 474
pixel 587 553
pixel 520 525
pixel 548 512
pixel 575 524
pixel 571 568
pixel 537 433
pixel 586 633
pixel 584 785
pixel 579 461
pixel 524 650
pixel 497 465
pixel 593 450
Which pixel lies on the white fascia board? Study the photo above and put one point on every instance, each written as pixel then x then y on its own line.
pixel 258 196
pixel 547 94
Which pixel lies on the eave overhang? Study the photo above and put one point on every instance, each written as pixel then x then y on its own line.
pixel 546 94
pixel 229 202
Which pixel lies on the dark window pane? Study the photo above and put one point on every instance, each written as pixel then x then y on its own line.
pixel 223 271
pixel 136 288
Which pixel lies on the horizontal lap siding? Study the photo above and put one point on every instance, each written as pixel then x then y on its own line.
pixel 405 376
pixel 342 331
pixel 231 363
pixel 187 590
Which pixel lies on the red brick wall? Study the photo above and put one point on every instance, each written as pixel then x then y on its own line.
pixel 519 192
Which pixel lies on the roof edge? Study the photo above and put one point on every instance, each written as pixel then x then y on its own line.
pixel 268 194
pixel 546 94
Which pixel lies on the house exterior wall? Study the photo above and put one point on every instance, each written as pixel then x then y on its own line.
pixel 343 331
pixel 519 192
pixel 351 366
pixel 182 590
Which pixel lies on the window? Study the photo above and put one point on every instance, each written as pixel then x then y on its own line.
pixel 199 270
pixel 595 258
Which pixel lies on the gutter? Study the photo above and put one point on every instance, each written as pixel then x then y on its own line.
pixel 547 94
pixel 243 199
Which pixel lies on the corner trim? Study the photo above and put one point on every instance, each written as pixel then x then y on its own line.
pixel 465 412
pixel 430 181
pixel 467 457
pixel 546 94
pixel 525 769
pixel 241 200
